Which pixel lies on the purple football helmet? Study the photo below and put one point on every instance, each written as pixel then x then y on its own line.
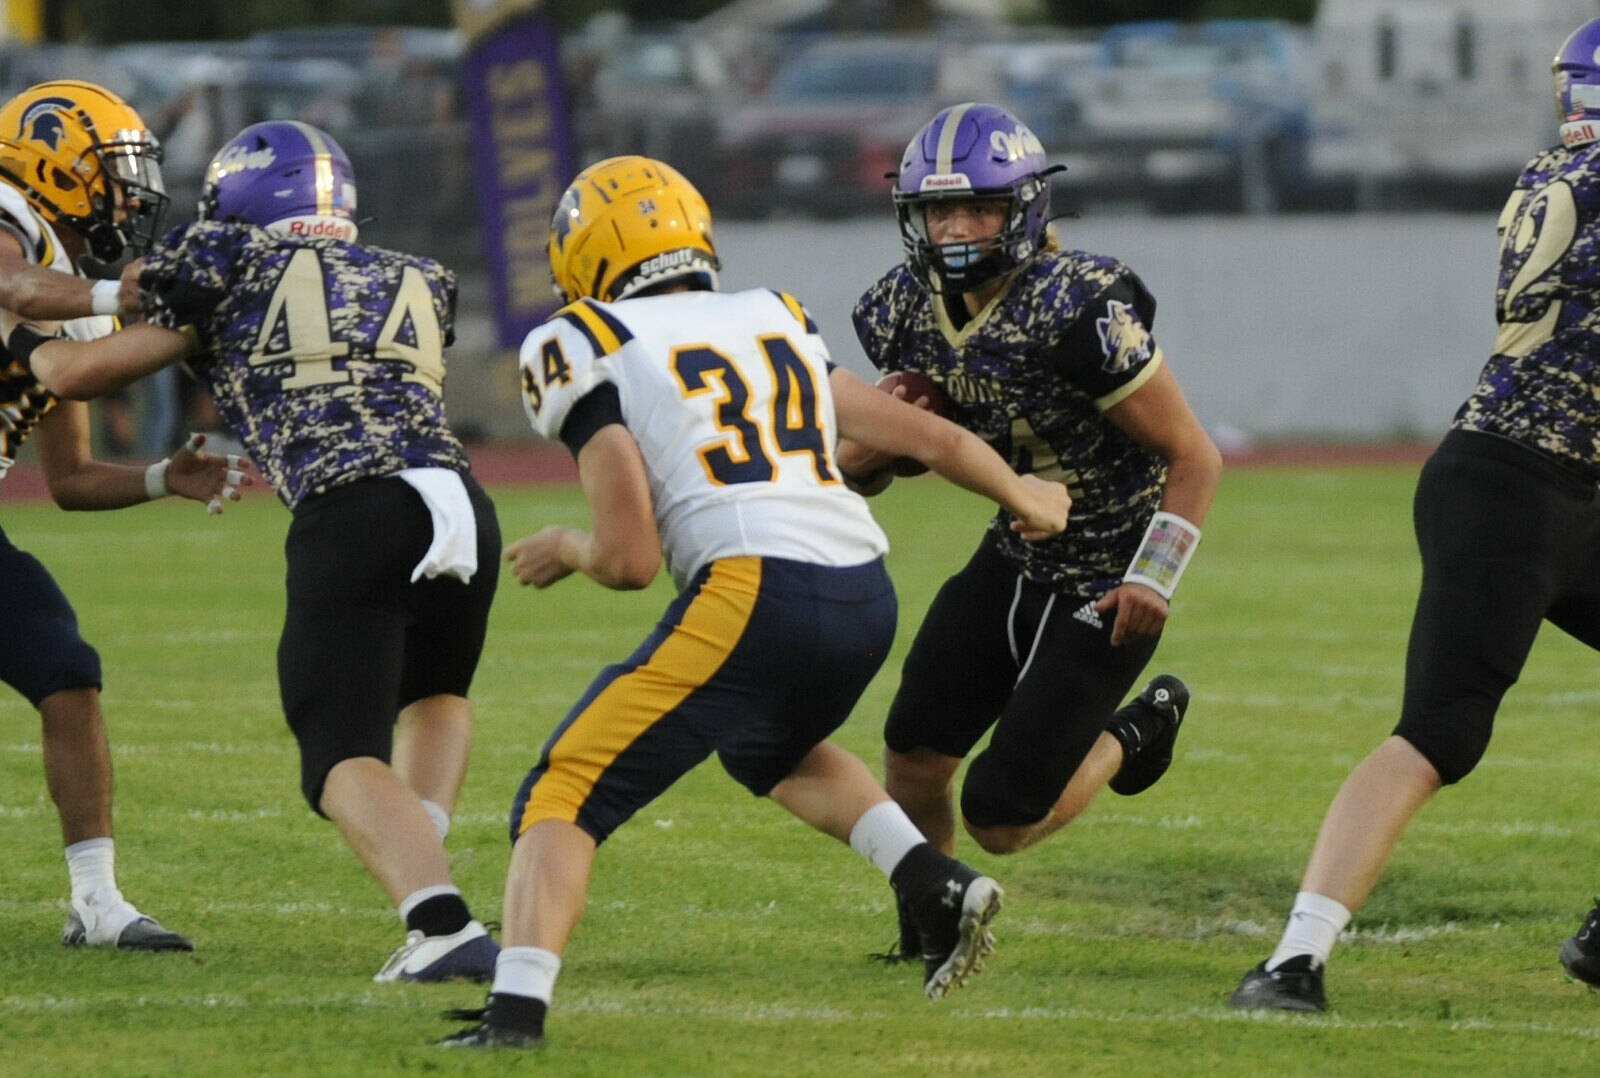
pixel 1577 74
pixel 973 151
pixel 283 173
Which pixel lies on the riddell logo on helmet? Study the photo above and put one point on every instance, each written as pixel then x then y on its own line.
pixel 315 226
pixel 946 181
pixel 336 229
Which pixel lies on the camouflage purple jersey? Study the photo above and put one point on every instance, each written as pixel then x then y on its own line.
pixel 1032 374
pixel 1541 387
pixel 326 358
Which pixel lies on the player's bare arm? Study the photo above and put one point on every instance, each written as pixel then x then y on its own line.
pixel 40 294
pixel 624 550
pixel 83 370
pixel 1158 417
pixel 865 469
pixel 888 424
pixel 78 481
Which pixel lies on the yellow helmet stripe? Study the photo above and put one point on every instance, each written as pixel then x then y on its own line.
pixel 322 162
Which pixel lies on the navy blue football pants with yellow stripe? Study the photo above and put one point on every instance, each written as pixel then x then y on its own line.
pixel 44 653
pixel 757 660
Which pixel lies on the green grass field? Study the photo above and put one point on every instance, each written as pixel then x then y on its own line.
pixel 722 937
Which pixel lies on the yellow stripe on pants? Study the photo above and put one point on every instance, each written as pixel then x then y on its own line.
pixel 628 707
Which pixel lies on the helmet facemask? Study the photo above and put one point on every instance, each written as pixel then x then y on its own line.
pixel 127 216
pixel 974 152
pixel 966 265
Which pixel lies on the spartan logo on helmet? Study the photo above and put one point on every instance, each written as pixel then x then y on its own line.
pixel 42 122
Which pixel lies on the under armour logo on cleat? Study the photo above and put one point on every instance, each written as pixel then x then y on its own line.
pixel 953 891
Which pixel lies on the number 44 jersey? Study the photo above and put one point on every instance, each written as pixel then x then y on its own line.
pixel 727 396
pixel 326 358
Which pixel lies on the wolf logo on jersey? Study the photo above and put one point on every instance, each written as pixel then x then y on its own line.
pixel 1066 339
pixel 728 398
pixel 1540 386
pixel 355 333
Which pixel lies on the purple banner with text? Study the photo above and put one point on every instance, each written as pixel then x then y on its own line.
pixel 522 155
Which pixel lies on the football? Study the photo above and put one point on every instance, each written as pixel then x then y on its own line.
pixel 917 386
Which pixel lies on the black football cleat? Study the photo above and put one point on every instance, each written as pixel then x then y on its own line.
pixel 953 922
pixel 1296 985
pixel 483 1035
pixel 908 948
pixel 1148 729
pixel 1580 954
pixel 504 1021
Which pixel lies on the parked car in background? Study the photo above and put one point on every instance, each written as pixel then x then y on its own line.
pixel 1212 114
pixel 834 121
pixel 1041 79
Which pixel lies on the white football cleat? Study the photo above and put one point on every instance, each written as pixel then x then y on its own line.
pixel 467 955
pixel 106 919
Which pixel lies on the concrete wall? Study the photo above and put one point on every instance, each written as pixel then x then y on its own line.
pixel 1362 327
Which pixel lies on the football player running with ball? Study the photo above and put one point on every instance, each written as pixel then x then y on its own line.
pixel 1508 525
pixel 704 427
pixel 80 181
pixel 326 358
pixel 1046 354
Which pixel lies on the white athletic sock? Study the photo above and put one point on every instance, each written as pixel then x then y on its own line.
pixel 884 834
pixel 1313 928
pixel 91 864
pixel 440 818
pixel 417 898
pixel 526 971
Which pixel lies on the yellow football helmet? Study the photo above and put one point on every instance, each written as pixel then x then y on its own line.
pixel 626 224
pixel 84 159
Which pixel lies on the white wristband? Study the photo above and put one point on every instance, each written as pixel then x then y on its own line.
pixel 1168 545
pixel 105 297
pixel 155 479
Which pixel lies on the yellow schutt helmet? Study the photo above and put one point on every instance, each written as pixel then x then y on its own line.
pixel 627 224
pixel 64 144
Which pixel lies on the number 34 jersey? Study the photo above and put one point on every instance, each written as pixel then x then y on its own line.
pixel 727 396
pixel 1541 387
pixel 326 358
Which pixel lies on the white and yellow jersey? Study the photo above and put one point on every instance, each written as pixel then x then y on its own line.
pixel 727 396
pixel 23 399
pixel 42 247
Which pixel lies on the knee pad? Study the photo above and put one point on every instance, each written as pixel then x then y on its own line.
pixel 997 795
pixel 1453 751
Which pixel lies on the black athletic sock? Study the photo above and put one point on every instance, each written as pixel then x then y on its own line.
pixel 921 870
pixel 441 915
